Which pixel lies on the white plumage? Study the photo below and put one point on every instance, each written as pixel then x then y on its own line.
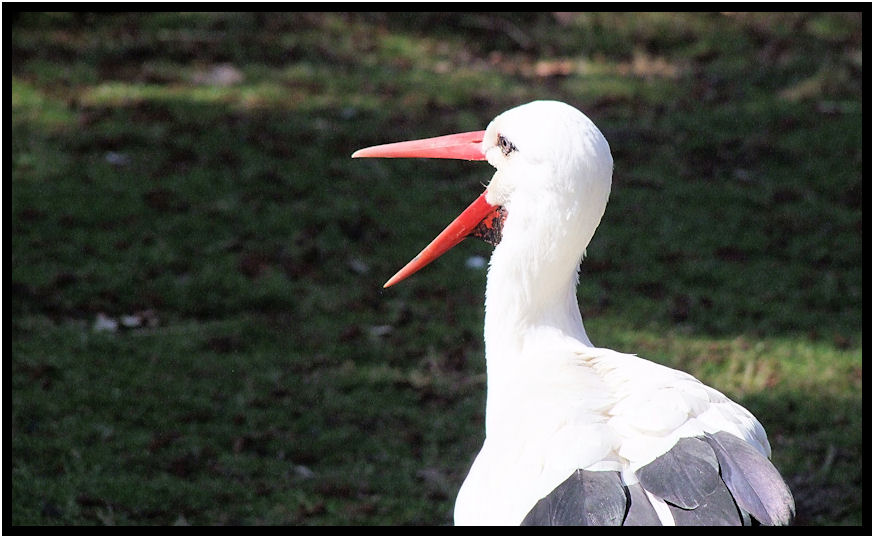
pixel 588 408
pixel 556 404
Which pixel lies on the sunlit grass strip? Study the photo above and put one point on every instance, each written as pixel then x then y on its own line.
pixel 32 106
pixel 741 365
pixel 247 97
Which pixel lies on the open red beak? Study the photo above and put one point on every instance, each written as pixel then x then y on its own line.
pixel 465 146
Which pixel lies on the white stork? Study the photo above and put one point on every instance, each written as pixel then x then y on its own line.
pixel 577 434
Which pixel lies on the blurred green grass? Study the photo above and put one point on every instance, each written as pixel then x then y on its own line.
pixel 192 171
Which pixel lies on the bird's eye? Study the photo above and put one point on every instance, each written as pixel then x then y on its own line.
pixel 506 145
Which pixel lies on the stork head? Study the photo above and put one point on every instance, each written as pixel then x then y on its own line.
pixel 553 169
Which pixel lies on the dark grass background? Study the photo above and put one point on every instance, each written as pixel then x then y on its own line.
pixel 197 332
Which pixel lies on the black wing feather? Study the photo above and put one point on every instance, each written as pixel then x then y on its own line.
pixel 640 510
pixel 715 479
pixel 687 478
pixel 585 498
pixel 754 482
pixel 684 475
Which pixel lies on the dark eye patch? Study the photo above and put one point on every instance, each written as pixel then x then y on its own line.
pixel 506 146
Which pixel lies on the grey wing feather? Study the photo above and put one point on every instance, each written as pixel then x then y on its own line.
pixel 716 479
pixel 717 508
pixel 640 510
pixel 585 498
pixel 687 478
pixel 754 482
pixel 684 475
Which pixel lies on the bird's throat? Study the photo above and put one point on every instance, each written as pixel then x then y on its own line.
pixel 529 292
pixel 491 227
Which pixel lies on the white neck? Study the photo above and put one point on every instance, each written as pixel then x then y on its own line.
pixel 525 296
pixel 533 272
pixel 531 302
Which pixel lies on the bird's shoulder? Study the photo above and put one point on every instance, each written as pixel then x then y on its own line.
pixel 652 406
pixel 681 451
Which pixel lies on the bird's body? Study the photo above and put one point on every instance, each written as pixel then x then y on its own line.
pixel 591 409
pixel 577 434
